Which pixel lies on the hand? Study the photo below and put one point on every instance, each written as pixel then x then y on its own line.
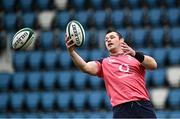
pixel 69 43
pixel 127 50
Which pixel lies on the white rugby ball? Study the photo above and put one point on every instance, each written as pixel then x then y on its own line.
pixel 75 31
pixel 23 39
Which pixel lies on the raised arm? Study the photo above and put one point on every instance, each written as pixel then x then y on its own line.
pixel 87 67
pixel 147 61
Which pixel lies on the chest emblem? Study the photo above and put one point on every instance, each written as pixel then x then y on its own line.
pixel 124 68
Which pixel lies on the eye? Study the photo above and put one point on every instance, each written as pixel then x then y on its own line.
pixel 112 37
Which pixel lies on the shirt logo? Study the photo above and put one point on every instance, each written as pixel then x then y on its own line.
pixel 124 68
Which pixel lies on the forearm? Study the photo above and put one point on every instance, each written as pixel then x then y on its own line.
pixel 77 60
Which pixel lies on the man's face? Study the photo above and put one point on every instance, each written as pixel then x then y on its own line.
pixel 112 42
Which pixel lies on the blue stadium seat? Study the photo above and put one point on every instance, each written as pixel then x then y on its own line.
pixel 133 3
pixel 35 60
pixel 79 80
pixel 50 60
pixel 160 54
pixel 20 60
pixel 100 19
pixel 94 115
pixel 79 99
pixel 5 81
pixel 162 114
pixel 49 80
pixel 151 3
pixel 170 3
pixel 17 101
pixel 17 115
pixel 93 40
pixel 4 97
pixel 87 37
pixel 148 78
pixel 79 5
pixel 47 40
pixel 62 115
pixel 159 77
pixel 139 36
pixel 157 37
pixel 96 4
pixel 173 16
pixel 106 101
pixel 117 18
pixel 107 115
pixel 43 4
pixel 123 32
pixel 84 15
pixel 18 81
pixel 174 99
pixel 64 60
pixel 114 4
pixel 8 5
pixel 95 82
pixel 62 19
pixel 64 80
pixel 61 40
pixel 26 5
pixel 34 80
pixel 31 115
pixel 174 114
pixel 100 37
pixel 155 17
pixel 84 54
pixel 3 115
pixel 175 36
pixel 28 19
pixel 78 115
pixel 174 56
pixel 95 54
pixel 32 101
pixel 136 17
pixel 146 51
pixel 64 100
pixel 48 101
pixel 45 115
pixel 10 20
pixel 95 100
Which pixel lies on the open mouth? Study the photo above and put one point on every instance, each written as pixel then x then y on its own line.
pixel 110 44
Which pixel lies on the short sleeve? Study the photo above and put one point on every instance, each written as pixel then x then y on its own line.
pixel 99 64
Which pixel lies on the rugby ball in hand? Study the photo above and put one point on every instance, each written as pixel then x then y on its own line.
pixel 23 39
pixel 75 31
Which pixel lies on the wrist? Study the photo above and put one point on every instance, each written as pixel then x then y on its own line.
pixel 139 56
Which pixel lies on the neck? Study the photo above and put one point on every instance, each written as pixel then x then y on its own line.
pixel 119 52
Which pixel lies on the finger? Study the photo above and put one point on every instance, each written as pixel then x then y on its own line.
pixel 127 53
pixel 69 42
pixel 71 45
pixel 125 48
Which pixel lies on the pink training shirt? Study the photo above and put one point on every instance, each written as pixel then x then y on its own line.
pixel 124 78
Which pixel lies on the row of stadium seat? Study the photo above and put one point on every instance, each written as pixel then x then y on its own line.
pixel 78 100
pixel 118 19
pixel 76 80
pixel 138 38
pixel 60 115
pixel 83 115
pixel 63 80
pixel 52 60
pixel 82 4
pixel 49 101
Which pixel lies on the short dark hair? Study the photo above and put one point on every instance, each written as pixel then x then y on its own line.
pixel 114 30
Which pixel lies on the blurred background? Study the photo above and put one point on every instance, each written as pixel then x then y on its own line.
pixel 44 83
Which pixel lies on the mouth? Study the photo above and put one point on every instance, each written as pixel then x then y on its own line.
pixel 110 44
